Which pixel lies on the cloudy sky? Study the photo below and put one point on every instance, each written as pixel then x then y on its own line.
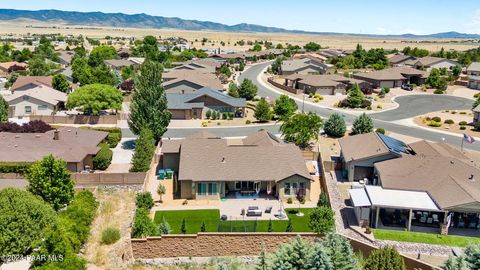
pixel 346 16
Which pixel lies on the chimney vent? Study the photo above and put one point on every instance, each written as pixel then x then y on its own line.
pixel 56 135
pixel 223 160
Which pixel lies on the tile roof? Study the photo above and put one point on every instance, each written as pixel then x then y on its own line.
pixel 183 101
pixel 193 76
pixel 390 74
pixel 41 92
pixel 35 80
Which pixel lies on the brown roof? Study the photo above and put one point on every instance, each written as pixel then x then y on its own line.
pixel 263 159
pixel 362 146
pixel 390 74
pixel 119 63
pixel 429 60
pixel 398 58
pixel 202 79
pixel 6 65
pixel 41 92
pixel 227 55
pixel 450 178
pixel 34 80
pixel 74 145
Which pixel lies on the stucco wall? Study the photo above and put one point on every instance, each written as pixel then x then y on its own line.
pixel 20 104
pixel 365 163
pixel 297 179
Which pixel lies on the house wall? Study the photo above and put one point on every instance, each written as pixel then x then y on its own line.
pixel 476 116
pixel 443 64
pixel 473 84
pixel 182 87
pixel 171 161
pixel 350 166
pixel 293 179
pixel 179 114
pixel 186 190
pixel 20 104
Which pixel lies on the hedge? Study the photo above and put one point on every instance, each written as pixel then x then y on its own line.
pixel 114 134
pixel 15 167
pixel 102 160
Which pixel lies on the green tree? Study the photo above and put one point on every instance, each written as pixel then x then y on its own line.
pixel 161 190
pixel 60 83
pixel 101 53
pixel 285 107
pixel 127 72
pixel 335 126
pixel 103 158
pixel 319 260
pixel 94 98
pixel 183 228
pixel 323 201
pixel 257 47
pixel 144 200
pixel 3 110
pixel 362 124
pixel 247 89
pixel 233 90
pixel 263 111
pixel 149 102
pixel 436 80
pixel 312 47
pixel 142 224
pixel 355 97
pixel 23 218
pixel 203 228
pixel 263 260
pixel 472 256
pixel 144 150
pixel 289 226
pixel 293 255
pixel 38 67
pixel 302 128
pixel 386 258
pixel 456 71
pixel 340 252
pixel 50 179
pixel 321 220
pixel 225 70
pixel 164 227
pixel 456 263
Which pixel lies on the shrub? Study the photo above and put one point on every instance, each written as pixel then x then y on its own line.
pixel 438 91
pixel 230 116
pixel 335 126
pixel 142 224
pixel 224 116
pixel 248 122
pixel 428 118
pixel 35 126
pixel 321 220
pixel 318 96
pixel 379 106
pixel 110 235
pixel 385 258
pixel 15 167
pixel 437 119
pixel 477 126
pixel 476 95
pixel 463 123
pixel 463 112
pixel 208 114
pixel 103 158
pixel 113 139
pixel 289 201
pixel 144 200
pixel 463 127
pixel 164 227
pixel 434 124
pixel 380 130
pixel 449 121
pixel 369 108
pixel 204 124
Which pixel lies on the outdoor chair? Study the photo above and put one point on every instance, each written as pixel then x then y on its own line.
pixel 435 217
pixel 429 220
pixel 268 210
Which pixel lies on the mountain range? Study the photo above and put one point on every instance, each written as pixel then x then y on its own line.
pixel 148 21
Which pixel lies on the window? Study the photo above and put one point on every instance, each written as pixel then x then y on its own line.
pixel 238 185
pixel 28 109
pixel 287 189
pixel 294 188
pixel 42 107
pixel 207 188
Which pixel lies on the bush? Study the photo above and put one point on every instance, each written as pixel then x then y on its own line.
pixel 477 126
pixel 208 114
pixel 289 200
pixel 103 158
pixel 438 92
pixel 110 235
pixel 224 116
pixel 113 139
pixel 434 124
pixel 380 130
pixel 463 127
pixel 322 220
pixel 144 200
pixel 379 106
pixel 385 258
pixel 437 119
pixel 449 121
pixel 35 126
pixel 142 225
pixel 248 122
pixel 335 126
pixel 15 167
pixel 463 123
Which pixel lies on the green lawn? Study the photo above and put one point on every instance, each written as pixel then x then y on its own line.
pixel 211 217
pixel 427 238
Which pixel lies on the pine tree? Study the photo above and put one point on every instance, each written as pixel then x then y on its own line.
pixel 183 229
pixel 144 150
pixel 323 201
pixel 3 110
pixel 149 102
pixel 320 259
pixel 355 97
pixel 203 228
pixel 335 126
pixel 263 260
pixel 292 255
pixel 456 263
pixel 340 252
pixel 270 226
pixel 362 124
pixel 263 112
pixel 289 226
pixel 164 227
pixel 386 258
pixel 472 256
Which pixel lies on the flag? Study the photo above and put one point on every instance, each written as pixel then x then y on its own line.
pixel 468 138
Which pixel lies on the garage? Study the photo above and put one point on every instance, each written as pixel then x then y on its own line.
pixel 178 114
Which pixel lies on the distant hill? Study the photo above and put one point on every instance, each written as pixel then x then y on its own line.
pixel 148 21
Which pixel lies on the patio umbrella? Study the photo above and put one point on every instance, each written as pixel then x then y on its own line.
pixel 282 214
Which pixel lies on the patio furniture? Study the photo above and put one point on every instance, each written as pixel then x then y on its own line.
pixel 268 210
pixel 429 220
pixel 435 217
pixel 254 211
pixel 423 219
pixel 169 174
pixel 161 174
pixel 223 217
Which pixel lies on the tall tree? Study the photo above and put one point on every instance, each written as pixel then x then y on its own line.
pixel 50 179
pixel 321 220
pixel 263 260
pixel 149 103
pixel 312 47
pixel 247 89
pixel 335 126
pixel 340 252
pixel 285 107
pixel 23 218
pixel 233 90
pixel 144 150
pixel 355 97
pixel 3 110
pixel 319 259
pixel 38 67
pixel 302 128
pixel 60 83
pixel 94 98
pixel 386 258
pixel 292 255
pixel 362 124
pixel 263 111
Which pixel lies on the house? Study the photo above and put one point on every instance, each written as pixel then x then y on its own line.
pixel 75 146
pixel 9 67
pixel 331 53
pixel 39 100
pixel 118 64
pixel 473 73
pixel 331 84
pixel 66 57
pixel 435 189
pixel 28 82
pixel 429 62
pixel 303 66
pixel 208 167
pixel 200 65
pixel 313 56
pixel 393 77
pixel 193 105
pixel 228 57
pixel 188 81
pixel 397 60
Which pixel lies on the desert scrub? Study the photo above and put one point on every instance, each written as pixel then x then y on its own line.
pixel 110 235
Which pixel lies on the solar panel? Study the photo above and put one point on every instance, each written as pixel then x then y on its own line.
pixel 394 145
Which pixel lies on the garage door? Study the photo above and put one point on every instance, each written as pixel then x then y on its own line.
pixel 178 114
pixel 387 84
pixel 324 91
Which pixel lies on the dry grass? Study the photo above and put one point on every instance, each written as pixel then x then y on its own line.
pixel 115 210
pixel 18 27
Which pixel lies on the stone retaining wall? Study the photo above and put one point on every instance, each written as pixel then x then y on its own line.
pixel 77 119
pixel 93 179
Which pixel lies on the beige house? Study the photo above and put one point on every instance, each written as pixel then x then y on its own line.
pixel 393 77
pixel 473 72
pixel 331 84
pixel 208 167
pixel 188 81
pixel 39 100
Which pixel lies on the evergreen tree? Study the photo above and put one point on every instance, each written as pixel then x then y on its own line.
pixel 289 226
pixel 164 227
pixel 233 90
pixel 247 89
pixel 142 224
pixel 386 258
pixel 183 228
pixel 285 107
pixel 319 259
pixel 362 124
pixel 60 83
pixel 456 263
pixel 293 255
pixel 263 112
pixel 144 150
pixel 355 97
pixel 323 201
pixel 321 220
pixel 3 110
pixel 149 102
pixel 270 226
pixel 203 228
pixel 340 252
pixel 263 260
pixel 335 126
pixel 50 179
pixel 472 256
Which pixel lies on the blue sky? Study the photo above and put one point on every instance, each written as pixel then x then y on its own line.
pixel 346 16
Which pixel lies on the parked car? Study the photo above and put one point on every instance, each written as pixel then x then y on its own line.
pixel 407 87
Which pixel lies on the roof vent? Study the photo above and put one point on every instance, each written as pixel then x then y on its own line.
pixel 471 178
pixel 223 160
